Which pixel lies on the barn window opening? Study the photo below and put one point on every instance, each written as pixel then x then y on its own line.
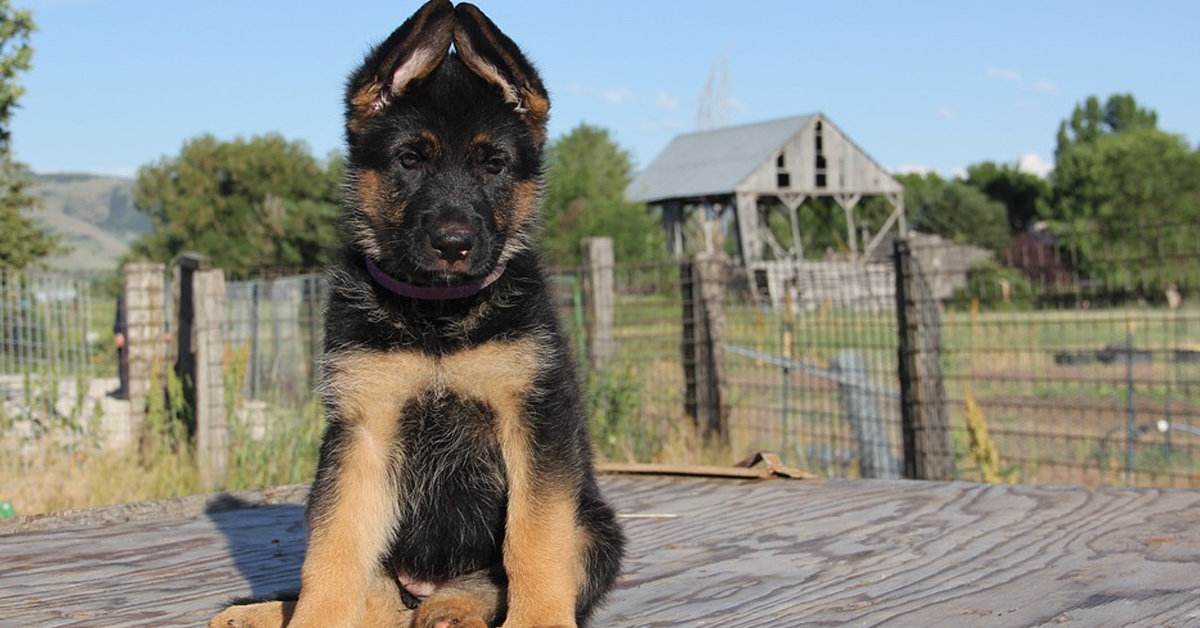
pixel 819 145
pixel 783 180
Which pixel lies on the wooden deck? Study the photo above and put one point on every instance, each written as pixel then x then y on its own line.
pixel 704 552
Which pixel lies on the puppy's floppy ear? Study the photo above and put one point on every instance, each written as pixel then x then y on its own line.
pixel 494 57
pixel 409 54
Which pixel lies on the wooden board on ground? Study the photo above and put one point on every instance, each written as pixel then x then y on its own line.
pixel 704 552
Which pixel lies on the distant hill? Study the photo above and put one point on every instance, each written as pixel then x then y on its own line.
pixel 93 215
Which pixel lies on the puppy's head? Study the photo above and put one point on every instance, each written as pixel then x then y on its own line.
pixel 444 163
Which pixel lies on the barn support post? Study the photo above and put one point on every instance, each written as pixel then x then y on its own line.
pixel 749 240
pixel 928 453
pixel 599 298
pixel 672 222
pixel 848 202
pixel 792 201
pixel 897 219
pixel 706 389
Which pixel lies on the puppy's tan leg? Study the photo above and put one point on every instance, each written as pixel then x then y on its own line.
pixel 542 556
pixel 350 533
pixel 354 505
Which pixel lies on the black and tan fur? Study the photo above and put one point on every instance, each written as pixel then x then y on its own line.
pixel 456 456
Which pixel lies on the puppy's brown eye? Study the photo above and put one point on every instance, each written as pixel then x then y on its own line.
pixel 493 165
pixel 410 160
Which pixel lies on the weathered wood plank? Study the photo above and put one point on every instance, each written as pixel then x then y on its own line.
pixel 731 553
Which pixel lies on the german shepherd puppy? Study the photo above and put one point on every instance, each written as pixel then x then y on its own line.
pixel 455 484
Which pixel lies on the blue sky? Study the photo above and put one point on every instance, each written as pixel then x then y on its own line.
pixel 118 84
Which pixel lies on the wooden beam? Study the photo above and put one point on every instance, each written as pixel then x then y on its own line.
pixel 748 232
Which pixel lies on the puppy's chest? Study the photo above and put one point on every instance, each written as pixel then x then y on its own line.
pixel 409 396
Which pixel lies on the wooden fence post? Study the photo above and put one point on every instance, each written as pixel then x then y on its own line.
pixel 212 429
pixel 705 397
pixel 200 362
pixel 146 350
pixel 928 452
pixel 599 297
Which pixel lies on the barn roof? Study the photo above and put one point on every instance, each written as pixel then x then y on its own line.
pixel 711 163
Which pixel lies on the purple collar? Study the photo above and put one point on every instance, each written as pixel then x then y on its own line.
pixel 430 293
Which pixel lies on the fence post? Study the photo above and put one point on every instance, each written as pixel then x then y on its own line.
pixel 705 399
pixel 876 460
pixel 200 362
pixel 928 453
pixel 212 430
pixel 185 317
pixel 146 351
pixel 598 299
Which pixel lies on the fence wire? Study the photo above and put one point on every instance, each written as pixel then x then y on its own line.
pixel 1082 362
pixel 48 348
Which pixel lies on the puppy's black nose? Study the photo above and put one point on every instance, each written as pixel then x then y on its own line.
pixel 452 244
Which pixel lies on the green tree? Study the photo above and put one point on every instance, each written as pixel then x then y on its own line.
pixel 1091 120
pixel 955 210
pixel 21 242
pixel 587 173
pixel 1122 187
pixel 1024 195
pixel 249 205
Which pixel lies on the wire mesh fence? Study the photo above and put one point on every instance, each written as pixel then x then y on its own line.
pixel 1079 369
pixel 48 348
pixel 1056 362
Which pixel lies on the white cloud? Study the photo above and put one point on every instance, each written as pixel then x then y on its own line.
pixel 732 103
pixel 1032 163
pixel 666 101
pixel 946 113
pixel 614 95
pixel 668 125
pixel 1045 86
pixel 618 95
pixel 1004 74
pixel 957 173
pixel 911 169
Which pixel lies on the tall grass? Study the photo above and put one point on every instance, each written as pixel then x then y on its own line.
pixel 275 445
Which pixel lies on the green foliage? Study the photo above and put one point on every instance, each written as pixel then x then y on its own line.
pixel 587 173
pixel 1091 120
pixel 21 242
pixel 996 288
pixel 1122 185
pixel 1025 196
pixel 249 205
pixel 614 401
pixel 955 210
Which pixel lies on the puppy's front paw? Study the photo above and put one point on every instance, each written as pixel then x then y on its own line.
pixel 449 613
pixel 260 615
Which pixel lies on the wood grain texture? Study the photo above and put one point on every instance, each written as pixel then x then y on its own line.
pixel 733 553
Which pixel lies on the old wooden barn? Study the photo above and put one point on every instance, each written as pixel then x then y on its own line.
pixel 767 166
